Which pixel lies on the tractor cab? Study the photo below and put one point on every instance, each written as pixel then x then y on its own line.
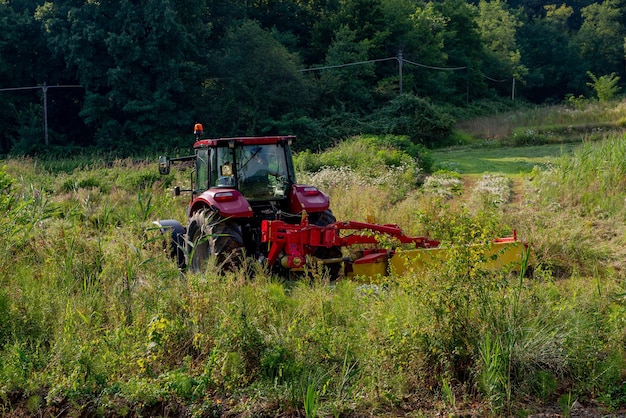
pixel 260 168
pixel 260 172
pixel 247 177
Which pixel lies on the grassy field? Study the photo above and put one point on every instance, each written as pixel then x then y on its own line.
pixel 511 161
pixel 96 320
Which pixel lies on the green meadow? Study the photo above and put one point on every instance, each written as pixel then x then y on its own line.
pixel 96 320
pixel 511 161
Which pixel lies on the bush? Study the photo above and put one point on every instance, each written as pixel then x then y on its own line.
pixel 420 120
pixel 366 161
pixel 367 154
pixel 606 86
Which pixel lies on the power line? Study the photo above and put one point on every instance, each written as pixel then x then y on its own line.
pixel 347 65
pixel 435 68
pixel 401 60
pixel 43 88
pixel 493 79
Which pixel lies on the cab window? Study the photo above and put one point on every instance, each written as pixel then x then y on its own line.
pixel 202 170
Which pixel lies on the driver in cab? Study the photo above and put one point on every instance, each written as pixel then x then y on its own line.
pixel 255 172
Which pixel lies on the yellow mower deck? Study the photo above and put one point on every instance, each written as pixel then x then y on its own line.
pixel 500 254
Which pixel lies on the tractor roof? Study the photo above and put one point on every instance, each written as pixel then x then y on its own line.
pixel 248 140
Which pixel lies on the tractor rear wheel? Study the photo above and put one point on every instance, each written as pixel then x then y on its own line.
pixel 212 236
pixel 323 219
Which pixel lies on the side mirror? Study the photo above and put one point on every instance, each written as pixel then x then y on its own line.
pixel 164 165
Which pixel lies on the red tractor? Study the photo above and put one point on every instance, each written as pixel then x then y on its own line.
pixel 246 202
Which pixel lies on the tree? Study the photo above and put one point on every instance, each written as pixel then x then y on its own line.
pixel 553 63
pixel 25 61
pixel 498 31
pixel 364 17
pixel 427 47
pixel 460 46
pixel 600 40
pixel 348 89
pixel 255 82
pixel 132 59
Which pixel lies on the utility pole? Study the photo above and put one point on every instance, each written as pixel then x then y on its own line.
pixel 45 113
pixel 44 88
pixel 513 90
pixel 467 80
pixel 400 61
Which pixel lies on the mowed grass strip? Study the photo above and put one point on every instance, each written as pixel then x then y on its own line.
pixel 506 160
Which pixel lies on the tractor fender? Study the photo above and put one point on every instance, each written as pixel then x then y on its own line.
pixel 308 198
pixel 230 203
pixel 177 239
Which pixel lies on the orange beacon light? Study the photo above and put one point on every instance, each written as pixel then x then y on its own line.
pixel 197 130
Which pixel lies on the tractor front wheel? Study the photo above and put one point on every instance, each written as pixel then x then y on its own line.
pixel 211 236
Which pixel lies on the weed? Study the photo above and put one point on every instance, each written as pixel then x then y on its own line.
pixel 543 384
pixel 446 184
pixel 145 205
pixel 494 376
pixel 447 392
pixel 566 402
pixel 311 401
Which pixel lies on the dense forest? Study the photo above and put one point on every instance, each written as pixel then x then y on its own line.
pixel 134 76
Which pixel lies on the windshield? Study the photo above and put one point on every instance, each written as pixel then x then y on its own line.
pixel 262 171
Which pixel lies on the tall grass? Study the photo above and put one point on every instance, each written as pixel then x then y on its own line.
pixel 575 209
pixel 589 114
pixel 96 320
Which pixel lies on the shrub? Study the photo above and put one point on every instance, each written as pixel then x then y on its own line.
pixel 417 118
pixel 370 157
pixel 526 136
pixel 606 86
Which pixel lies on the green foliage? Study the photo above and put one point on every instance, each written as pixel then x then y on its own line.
pixel 523 137
pixel 494 376
pixel 547 51
pixel 599 40
pixel 311 401
pixel 418 119
pixel 367 154
pixel 444 183
pixel 323 71
pixel 86 183
pixel 605 86
pixel 389 162
pixel 30 133
pixel 132 88
pixel 498 28
pixel 348 89
pixel 544 384
pixel 576 102
pixel 5 185
pixel 249 61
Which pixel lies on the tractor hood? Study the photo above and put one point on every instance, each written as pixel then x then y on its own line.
pixel 230 203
